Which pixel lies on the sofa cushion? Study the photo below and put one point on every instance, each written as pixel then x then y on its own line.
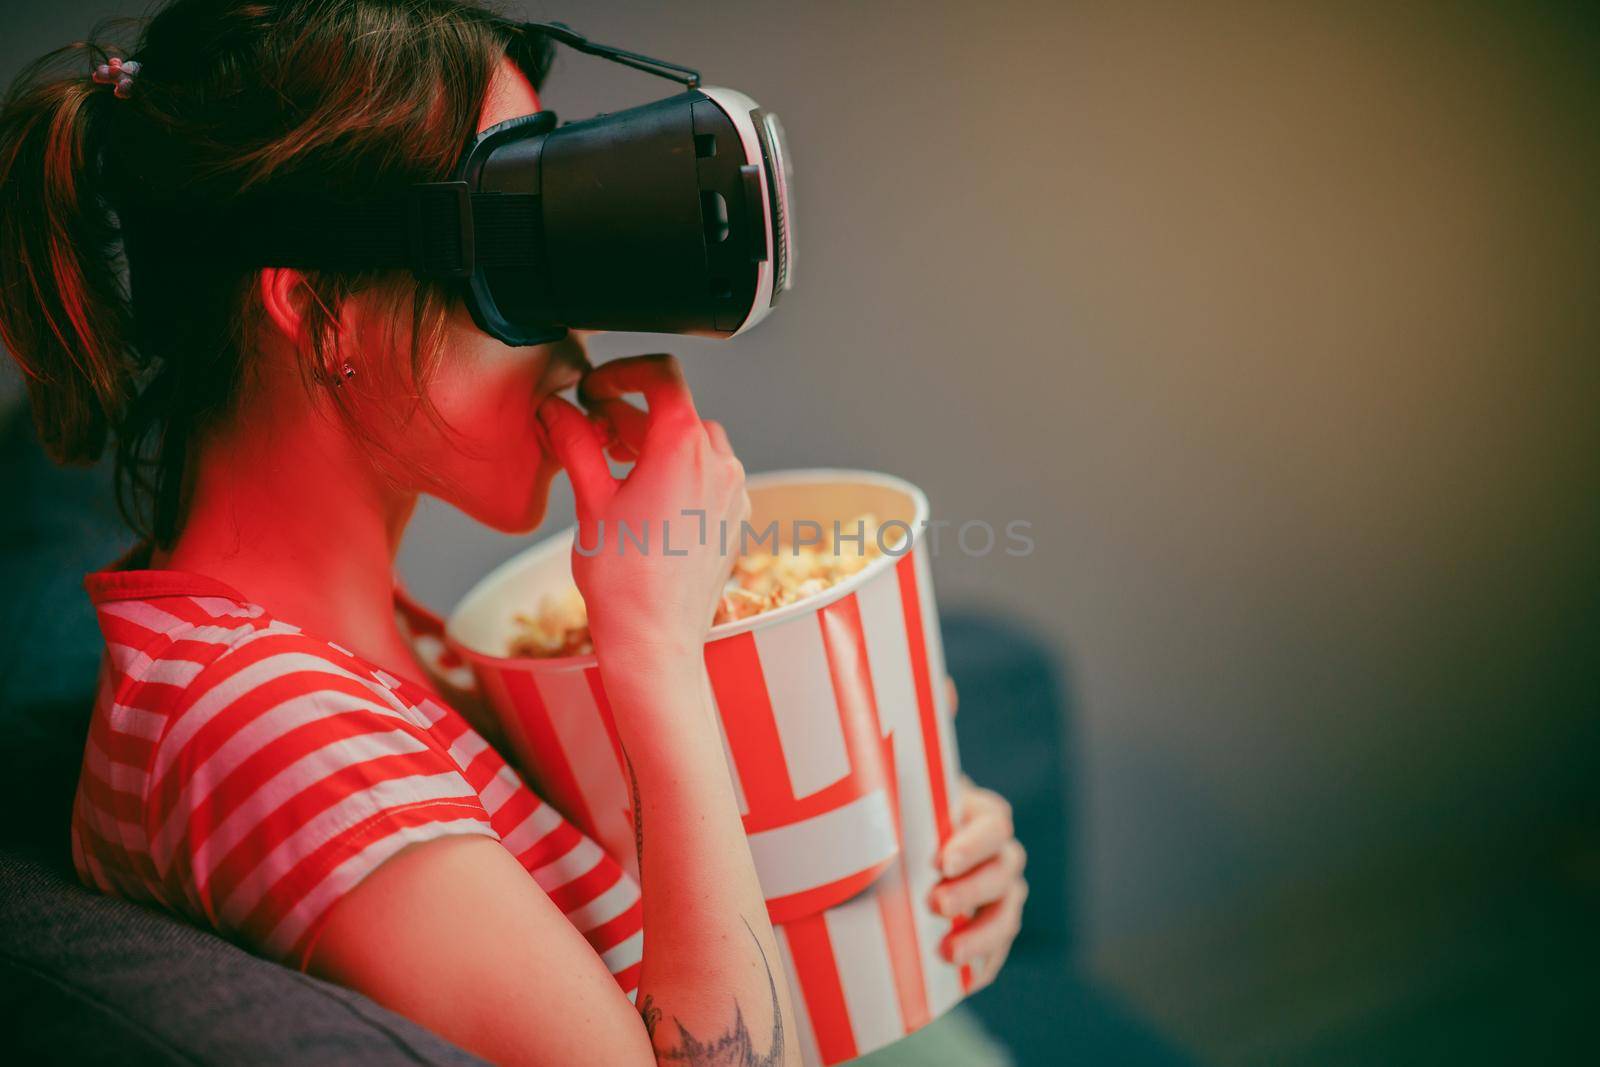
pixel 57 525
pixel 89 979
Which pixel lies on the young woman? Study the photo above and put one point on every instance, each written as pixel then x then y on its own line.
pixel 267 755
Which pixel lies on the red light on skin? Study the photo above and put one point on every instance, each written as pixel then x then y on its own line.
pixel 510 95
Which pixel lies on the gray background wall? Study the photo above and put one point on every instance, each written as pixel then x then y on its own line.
pixel 1278 322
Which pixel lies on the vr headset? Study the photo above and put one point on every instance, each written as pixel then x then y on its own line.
pixel 672 217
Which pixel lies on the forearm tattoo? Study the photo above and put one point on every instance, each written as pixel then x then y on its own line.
pixel 734 1047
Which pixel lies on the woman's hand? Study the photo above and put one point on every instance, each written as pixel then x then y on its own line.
pixel 656 596
pixel 982 865
pixel 650 607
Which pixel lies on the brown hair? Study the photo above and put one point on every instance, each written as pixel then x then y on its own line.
pixel 123 336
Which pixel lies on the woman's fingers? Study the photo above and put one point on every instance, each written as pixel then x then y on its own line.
pixel 719 437
pixel 985 829
pixel 991 931
pixel 950 691
pixel 578 447
pixel 986 968
pixel 658 377
pixel 628 425
pixel 982 863
pixel 981 886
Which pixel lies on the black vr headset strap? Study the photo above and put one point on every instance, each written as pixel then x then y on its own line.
pixel 560 31
pixel 437 230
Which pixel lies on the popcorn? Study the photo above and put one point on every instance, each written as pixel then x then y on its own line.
pixel 760 582
pixel 561 627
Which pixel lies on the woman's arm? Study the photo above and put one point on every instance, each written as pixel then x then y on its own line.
pixel 711 977
pixel 456 935
pixel 711 988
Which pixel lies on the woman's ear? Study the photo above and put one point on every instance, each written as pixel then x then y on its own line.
pixel 284 295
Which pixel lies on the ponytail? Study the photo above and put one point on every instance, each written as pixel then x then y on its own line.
pixel 131 333
pixel 64 313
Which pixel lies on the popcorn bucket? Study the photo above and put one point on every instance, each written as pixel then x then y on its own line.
pixel 838 736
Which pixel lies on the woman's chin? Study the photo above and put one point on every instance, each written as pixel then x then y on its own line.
pixel 510 520
pixel 522 516
pixel 511 500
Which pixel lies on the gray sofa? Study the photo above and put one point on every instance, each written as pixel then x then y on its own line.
pixel 87 979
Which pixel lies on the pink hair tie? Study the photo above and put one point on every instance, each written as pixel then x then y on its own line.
pixel 118 73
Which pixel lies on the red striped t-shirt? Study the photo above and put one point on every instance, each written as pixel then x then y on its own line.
pixel 246 775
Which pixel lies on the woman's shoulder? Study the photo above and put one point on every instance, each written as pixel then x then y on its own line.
pixel 166 628
pixel 248 773
pixel 177 642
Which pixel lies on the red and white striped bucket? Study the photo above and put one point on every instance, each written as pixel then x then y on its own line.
pixel 839 738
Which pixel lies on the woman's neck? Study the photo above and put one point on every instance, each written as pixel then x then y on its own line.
pixel 292 512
